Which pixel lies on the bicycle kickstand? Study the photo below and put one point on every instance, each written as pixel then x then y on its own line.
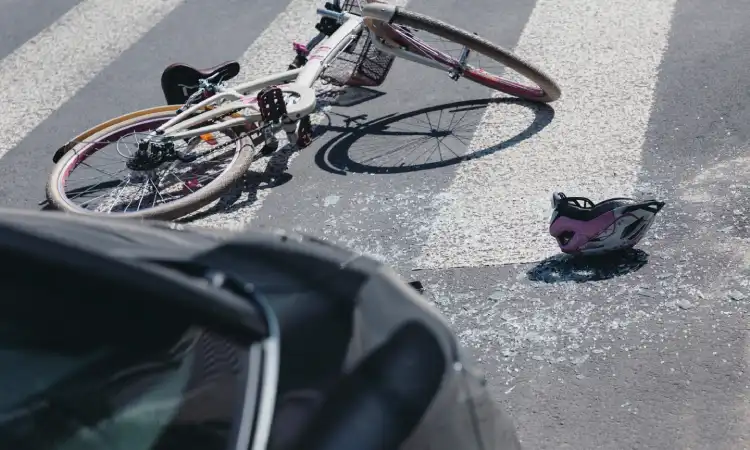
pixel 298 133
pixel 304 132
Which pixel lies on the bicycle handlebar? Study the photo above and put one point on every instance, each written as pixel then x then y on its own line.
pixel 332 14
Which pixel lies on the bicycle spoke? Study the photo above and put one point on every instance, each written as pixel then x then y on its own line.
pixel 107 161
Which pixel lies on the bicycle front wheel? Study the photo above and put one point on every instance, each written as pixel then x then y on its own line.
pixel 419 34
pixel 161 191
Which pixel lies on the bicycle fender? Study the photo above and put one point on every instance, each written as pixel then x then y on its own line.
pixel 91 131
pixel 61 151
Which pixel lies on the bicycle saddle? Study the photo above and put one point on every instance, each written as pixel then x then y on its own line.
pixel 179 81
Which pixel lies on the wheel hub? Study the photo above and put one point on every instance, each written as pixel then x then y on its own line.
pixel 439 133
pixel 150 155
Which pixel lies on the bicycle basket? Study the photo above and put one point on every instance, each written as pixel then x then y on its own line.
pixel 360 64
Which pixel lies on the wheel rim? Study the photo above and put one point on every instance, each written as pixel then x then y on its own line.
pixel 146 186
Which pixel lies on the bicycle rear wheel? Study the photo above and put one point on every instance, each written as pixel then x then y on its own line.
pixel 406 29
pixel 166 192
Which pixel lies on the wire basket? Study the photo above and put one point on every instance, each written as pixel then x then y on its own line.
pixel 360 64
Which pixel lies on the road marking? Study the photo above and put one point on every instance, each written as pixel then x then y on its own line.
pixel 50 68
pixel 606 56
pixel 271 53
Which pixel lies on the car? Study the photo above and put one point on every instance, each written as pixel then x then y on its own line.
pixel 142 335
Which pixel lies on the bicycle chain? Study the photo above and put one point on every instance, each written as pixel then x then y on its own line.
pixel 218 147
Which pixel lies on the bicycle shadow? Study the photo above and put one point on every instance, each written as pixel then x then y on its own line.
pixel 336 156
pixel 581 269
pixel 273 175
pixel 347 96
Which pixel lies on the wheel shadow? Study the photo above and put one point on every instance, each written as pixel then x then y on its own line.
pixel 386 144
pixel 581 269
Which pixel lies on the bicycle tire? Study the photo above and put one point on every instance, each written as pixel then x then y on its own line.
pixel 170 211
pixel 396 15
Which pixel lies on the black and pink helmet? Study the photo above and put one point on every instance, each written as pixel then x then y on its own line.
pixel 582 227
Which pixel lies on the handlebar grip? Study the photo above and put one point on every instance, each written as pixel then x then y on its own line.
pixel 329 13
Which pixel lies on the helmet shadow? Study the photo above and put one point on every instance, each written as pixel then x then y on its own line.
pixel 581 269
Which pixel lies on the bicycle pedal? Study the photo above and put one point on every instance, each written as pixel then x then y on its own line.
pixel 327 26
pixel 271 104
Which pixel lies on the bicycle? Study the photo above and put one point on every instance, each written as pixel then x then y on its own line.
pixel 248 117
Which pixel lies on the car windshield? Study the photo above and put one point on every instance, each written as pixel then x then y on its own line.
pixel 85 384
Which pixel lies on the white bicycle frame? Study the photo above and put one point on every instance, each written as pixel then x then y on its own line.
pixel 297 82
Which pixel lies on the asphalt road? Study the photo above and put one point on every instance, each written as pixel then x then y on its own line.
pixel 647 352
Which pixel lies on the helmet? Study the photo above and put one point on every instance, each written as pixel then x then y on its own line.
pixel 582 227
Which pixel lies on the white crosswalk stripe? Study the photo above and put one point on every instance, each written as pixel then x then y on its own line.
pixel 606 58
pixel 46 71
pixel 270 53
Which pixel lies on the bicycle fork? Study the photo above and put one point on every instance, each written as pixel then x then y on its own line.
pixel 456 72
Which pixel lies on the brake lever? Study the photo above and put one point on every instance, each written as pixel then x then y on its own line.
pixel 195 96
